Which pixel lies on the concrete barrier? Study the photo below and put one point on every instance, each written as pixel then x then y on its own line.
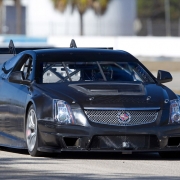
pixel 149 48
pixel 153 47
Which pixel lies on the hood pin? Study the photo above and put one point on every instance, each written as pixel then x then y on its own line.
pixel 166 101
pixel 91 98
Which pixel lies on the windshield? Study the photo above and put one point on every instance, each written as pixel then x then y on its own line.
pixel 58 72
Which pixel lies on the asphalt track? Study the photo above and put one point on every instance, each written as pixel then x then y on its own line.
pixel 17 164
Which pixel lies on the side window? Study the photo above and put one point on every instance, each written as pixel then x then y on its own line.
pixel 8 65
pixel 25 65
pixel 139 73
pixel 27 68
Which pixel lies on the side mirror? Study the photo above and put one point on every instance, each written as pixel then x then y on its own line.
pixel 18 77
pixel 164 76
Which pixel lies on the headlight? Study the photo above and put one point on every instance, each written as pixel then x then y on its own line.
pixel 174 111
pixel 63 114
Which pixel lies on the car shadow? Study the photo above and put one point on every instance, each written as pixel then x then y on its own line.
pixel 111 156
pixel 95 155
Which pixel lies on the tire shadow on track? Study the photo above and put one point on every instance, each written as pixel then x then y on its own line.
pixel 13 150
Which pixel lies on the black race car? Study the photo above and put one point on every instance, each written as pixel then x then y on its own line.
pixel 86 99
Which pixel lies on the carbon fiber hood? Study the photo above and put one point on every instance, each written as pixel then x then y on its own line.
pixel 129 95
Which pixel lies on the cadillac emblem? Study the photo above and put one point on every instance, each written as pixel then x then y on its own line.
pixel 124 117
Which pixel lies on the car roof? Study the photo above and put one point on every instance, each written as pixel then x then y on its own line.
pixel 75 54
pixel 123 55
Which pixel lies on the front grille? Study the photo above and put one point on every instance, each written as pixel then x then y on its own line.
pixel 112 117
pixel 131 142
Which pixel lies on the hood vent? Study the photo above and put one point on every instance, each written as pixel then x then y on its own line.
pixel 110 89
pixel 109 100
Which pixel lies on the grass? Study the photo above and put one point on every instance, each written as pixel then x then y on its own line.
pixel 162 65
pixel 176 91
pixel 171 66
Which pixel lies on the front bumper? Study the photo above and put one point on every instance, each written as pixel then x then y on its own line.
pixel 98 137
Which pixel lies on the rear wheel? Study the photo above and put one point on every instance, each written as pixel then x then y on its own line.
pixel 32 132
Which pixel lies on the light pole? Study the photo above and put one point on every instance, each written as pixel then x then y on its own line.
pixel 18 16
pixel 167 18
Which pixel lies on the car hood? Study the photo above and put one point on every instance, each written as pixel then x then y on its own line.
pixel 118 95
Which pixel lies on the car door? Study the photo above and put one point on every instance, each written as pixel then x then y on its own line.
pixel 18 97
pixel 13 98
pixel 6 68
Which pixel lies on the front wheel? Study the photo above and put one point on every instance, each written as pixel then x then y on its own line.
pixel 31 132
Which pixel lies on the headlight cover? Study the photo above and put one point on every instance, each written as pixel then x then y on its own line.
pixel 62 112
pixel 174 111
pixel 64 115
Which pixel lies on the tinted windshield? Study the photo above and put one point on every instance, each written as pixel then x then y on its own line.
pixel 58 72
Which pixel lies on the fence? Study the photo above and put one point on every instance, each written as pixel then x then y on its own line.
pixel 151 27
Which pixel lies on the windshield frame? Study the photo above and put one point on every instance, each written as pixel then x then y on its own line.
pixel 68 78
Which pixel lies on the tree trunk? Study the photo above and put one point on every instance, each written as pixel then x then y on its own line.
pixel 18 16
pixel 1 16
pixel 81 24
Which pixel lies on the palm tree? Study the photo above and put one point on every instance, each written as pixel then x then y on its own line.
pixel 82 5
pixel 100 6
pixel 60 4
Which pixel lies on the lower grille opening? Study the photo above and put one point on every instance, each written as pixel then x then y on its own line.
pixel 71 142
pixel 173 141
pixel 129 142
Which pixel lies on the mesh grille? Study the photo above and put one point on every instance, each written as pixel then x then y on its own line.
pixel 112 117
pixel 133 142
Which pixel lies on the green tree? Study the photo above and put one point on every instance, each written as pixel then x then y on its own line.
pixel 155 9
